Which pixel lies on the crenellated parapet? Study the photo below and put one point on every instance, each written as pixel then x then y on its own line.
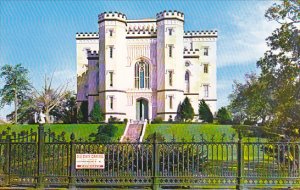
pixel 191 53
pixel 87 35
pixel 141 32
pixel 112 16
pixel 92 55
pixel 206 33
pixel 170 15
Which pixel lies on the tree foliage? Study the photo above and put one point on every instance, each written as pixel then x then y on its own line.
pixel 106 133
pixel 15 88
pixel 185 111
pixel 223 116
pixel 96 115
pixel 66 111
pixel 249 101
pixel 82 114
pixel 26 111
pixel 273 97
pixel 204 112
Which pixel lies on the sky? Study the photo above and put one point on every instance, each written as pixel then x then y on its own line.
pixel 41 34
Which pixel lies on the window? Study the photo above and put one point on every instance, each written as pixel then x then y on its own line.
pixel 110 32
pixel 171 78
pixel 170 31
pixel 170 50
pixel 187 81
pixel 111 51
pixel 205 91
pixel 171 102
pixel 205 51
pixel 111 98
pixel 111 78
pixel 187 63
pixel 141 75
pixel 205 68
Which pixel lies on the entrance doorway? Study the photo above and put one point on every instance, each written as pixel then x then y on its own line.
pixel 141 109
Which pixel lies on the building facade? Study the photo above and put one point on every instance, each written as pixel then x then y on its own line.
pixel 143 69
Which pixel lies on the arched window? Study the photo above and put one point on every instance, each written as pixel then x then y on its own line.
pixel 187 81
pixel 141 75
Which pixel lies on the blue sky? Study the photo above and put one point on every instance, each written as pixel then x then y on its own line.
pixel 41 34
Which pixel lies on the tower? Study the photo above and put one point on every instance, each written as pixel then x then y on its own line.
pixel 170 65
pixel 112 60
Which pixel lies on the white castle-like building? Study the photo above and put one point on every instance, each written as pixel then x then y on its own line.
pixel 143 69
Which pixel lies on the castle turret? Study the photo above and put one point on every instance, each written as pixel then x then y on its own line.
pixel 112 60
pixel 170 66
pixel 93 78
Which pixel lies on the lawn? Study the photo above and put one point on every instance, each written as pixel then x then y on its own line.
pixel 80 130
pixel 187 131
pixel 180 131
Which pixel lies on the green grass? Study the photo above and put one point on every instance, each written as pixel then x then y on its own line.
pixel 187 131
pixel 80 130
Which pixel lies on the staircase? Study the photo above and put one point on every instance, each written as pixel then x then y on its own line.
pixel 133 132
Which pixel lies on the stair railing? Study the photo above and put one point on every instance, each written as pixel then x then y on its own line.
pixel 143 130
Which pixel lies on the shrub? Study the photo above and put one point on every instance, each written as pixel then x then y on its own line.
pixel 185 111
pixel 157 120
pixel 158 136
pixel 224 116
pixel 105 133
pixel 249 122
pixel 113 120
pixel 170 120
pixel 205 113
pixel 96 114
pixel 82 115
pixel 125 121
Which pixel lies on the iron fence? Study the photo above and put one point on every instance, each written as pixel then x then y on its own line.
pixel 44 159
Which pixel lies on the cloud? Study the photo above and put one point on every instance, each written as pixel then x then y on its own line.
pixel 245 41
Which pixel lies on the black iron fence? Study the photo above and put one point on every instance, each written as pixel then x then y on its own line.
pixel 44 159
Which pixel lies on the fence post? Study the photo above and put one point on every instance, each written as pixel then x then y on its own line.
pixel 240 158
pixel 41 141
pixel 72 169
pixel 156 163
pixel 7 158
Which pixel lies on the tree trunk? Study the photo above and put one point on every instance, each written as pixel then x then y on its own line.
pixel 16 107
pixel 47 116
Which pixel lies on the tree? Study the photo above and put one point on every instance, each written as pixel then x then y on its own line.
pixel 249 101
pixel 277 101
pixel 223 116
pixel 26 111
pixel 82 114
pixel 15 88
pixel 96 114
pixel 204 112
pixel 50 97
pixel 185 111
pixel 67 110
pixel 179 116
pixel 280 66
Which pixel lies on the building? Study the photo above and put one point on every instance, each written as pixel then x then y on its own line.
pixel 142 69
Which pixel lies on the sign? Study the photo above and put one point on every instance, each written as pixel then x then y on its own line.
pixel 89 161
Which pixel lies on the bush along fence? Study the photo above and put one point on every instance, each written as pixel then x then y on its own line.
pixel 44 159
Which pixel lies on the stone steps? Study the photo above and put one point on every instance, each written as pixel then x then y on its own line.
pixel 133 133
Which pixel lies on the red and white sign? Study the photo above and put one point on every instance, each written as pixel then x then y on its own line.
pixel 90 161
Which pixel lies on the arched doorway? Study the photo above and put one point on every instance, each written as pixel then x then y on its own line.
pixel 142 109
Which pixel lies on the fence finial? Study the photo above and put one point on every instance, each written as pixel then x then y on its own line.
pixel 72 137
